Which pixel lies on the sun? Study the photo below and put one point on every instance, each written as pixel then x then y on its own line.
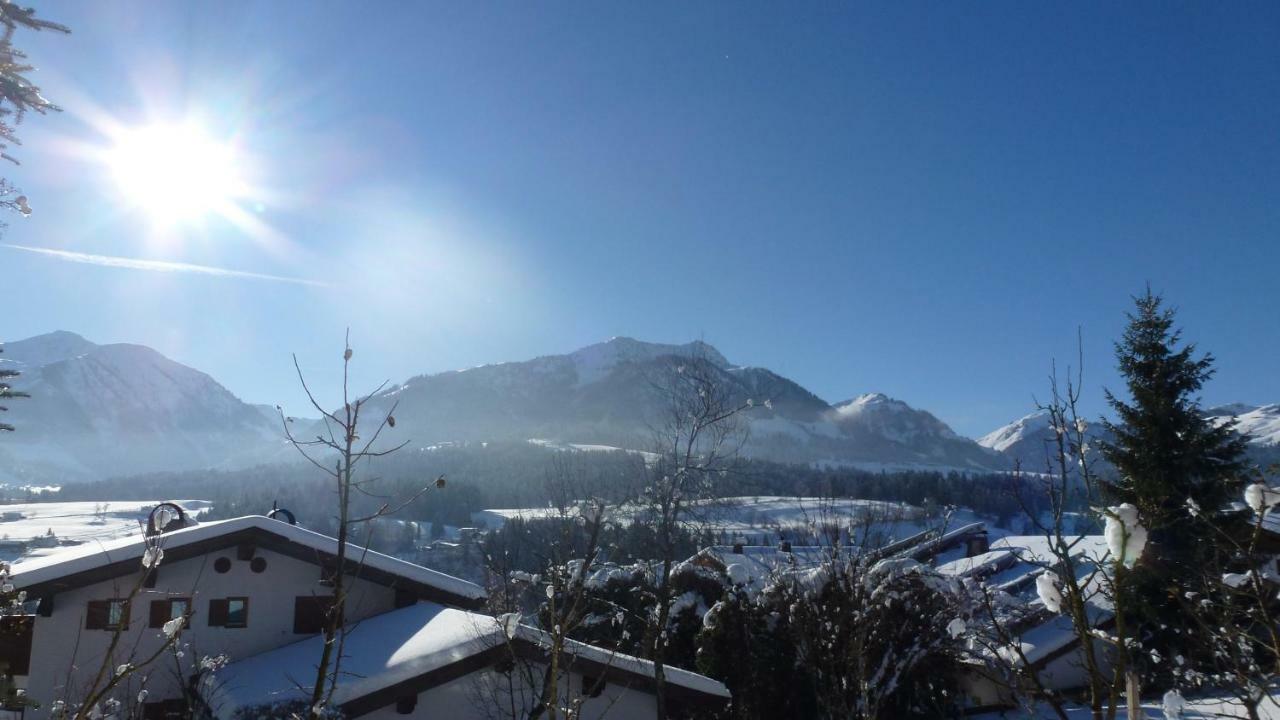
pixel 176 173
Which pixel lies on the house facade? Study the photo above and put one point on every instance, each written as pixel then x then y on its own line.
pixel 256 592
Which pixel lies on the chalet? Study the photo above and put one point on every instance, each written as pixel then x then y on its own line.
pixel 257 590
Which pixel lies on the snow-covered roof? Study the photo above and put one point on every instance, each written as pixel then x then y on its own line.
pixel 377 653
pixel 628 663
pixel 978 564
pixel 97 557
pixel 763 563
pixel 394 647
pixel 1037 548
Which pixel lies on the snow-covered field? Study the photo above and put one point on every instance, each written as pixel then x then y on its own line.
pixel 76 522
pixel 580 447
pixel 1192 709
pixel 764 520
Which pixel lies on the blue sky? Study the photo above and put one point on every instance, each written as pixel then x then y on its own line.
pixel 922 199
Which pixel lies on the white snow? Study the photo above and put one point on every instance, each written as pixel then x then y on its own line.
pixel 1126 537
pixel 1261 424
pixel 1259 497
pixel 83 521
pixel 395 647
pixel 1047 590
pixel 1001 439
pixel 1193 708
pixel 738 574
pixel 760 520
pixel 380 651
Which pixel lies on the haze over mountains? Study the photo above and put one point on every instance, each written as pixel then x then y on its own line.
pixel 120 409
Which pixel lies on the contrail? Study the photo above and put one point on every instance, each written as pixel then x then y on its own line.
pixel 157 265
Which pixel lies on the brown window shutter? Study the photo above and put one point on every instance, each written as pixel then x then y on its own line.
pixel 159 613
pixel 95 617
pixel 310 613
pixel 217 613
pixel 15 644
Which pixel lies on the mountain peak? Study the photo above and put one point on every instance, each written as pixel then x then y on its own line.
pixel 1231 409
pixel 1004 438
pixel 595 361
pixel 41 350
pixel 873 402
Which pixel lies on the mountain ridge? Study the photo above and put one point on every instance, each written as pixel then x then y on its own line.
pixel 124 408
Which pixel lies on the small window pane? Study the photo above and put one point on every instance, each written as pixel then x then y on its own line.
pixel 178 607
pixel 115 614
pixel 237 612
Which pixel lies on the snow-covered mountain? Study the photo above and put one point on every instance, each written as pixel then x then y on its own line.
pixel 119 409
pixel 1029 439
pixel 1031 442
pixel 1260 422
pixel 100 410
pixel 603 394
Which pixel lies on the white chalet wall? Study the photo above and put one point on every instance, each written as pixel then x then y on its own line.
pixel 65 656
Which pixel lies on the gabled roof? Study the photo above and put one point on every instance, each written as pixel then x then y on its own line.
pixel 412 649
pixel 95 562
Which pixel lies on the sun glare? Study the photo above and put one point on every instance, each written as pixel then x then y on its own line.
pixel 176 173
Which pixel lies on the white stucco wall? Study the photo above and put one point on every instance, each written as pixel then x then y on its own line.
pixel 66 656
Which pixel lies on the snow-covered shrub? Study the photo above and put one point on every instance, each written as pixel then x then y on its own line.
pixel 876 639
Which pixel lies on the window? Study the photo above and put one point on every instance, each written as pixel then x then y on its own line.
pixel 310 613
pixel 592 686
pixel 162 611
pixel 237 612
pixel 222 565
pixel 107 615
pixel 229 612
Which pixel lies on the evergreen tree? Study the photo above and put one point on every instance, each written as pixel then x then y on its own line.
pixel 7 391
pixel 1165 451
pixel 1172 464
pixel 18 95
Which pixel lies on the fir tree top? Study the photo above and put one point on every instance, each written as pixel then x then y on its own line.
pixel 1165 450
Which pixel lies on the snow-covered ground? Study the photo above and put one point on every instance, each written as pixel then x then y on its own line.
pixel 76 522
pixel 1193 709
pixel 764 520
pixel 649 457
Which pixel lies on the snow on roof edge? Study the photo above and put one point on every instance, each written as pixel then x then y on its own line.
pixel 674 675
pixel 411 655
pixel 97 554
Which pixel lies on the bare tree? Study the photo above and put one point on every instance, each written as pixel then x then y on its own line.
pixel 696 441
pixel 1074 580
pixel 1234 606
pixel 338 452
pixel 582 504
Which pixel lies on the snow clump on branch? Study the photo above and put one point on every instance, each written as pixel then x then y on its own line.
pixel 1125 536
